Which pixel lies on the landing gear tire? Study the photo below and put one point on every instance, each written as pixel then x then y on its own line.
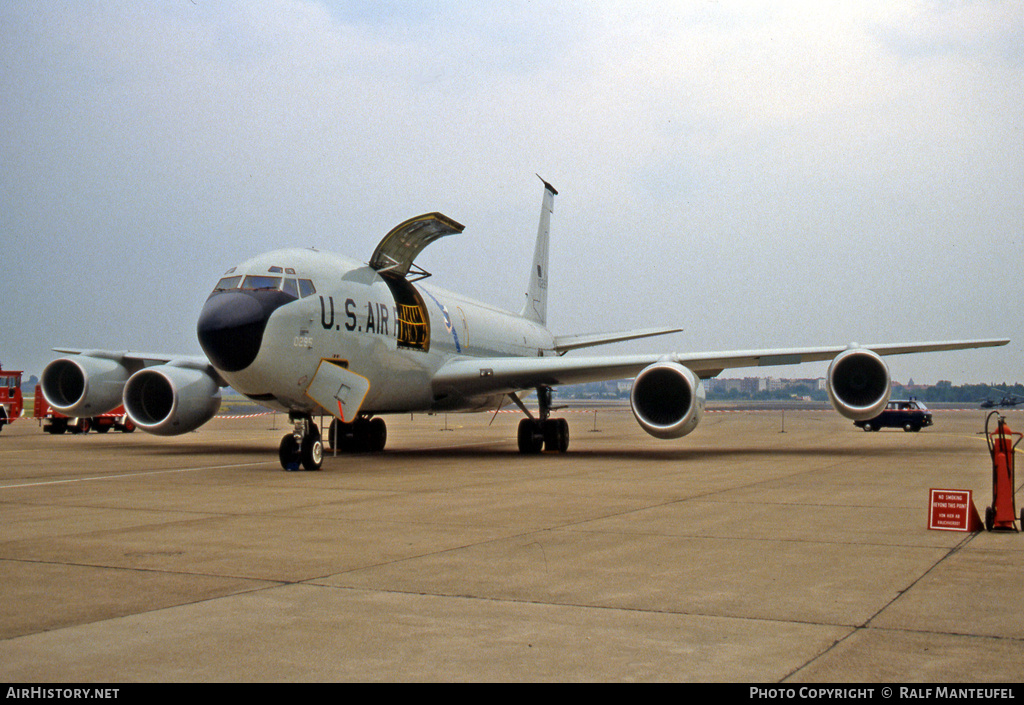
pixel 288 452
pixel 362 435
pixel 376 435
pixel 531 439
pixel 312 451
pixel 556 435
pixel 551 435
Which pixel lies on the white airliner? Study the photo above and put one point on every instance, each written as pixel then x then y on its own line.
pixel 311 333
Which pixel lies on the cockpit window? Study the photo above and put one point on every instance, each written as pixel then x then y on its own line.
pixel 298 288
pixel 227 283
pixel 259 282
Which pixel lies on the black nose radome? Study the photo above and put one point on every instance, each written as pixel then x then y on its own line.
pixel 231 326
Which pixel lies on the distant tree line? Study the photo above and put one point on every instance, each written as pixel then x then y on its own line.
pixel 941 392
pixel 945 391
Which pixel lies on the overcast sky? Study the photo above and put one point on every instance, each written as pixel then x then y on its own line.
pixel 762 174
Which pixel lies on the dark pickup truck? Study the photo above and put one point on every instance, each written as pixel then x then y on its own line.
pixel 909 415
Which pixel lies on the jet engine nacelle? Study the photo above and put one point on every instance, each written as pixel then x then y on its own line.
pixel 82 385
pixel 167 400
pixel 858 384
pixel 667 400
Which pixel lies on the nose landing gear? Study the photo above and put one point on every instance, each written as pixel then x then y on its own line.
pixel 303 446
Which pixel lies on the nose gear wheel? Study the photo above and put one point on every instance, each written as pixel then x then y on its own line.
pixel 303 448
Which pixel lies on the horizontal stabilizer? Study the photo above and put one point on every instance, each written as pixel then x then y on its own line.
pixel 565 343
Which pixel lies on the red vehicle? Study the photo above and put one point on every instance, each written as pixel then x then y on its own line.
pixel 59 423
pixel 11 402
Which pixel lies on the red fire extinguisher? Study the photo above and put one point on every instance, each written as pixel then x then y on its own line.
pixel 1002 443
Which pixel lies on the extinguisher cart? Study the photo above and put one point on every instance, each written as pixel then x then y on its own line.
pixel 1002 442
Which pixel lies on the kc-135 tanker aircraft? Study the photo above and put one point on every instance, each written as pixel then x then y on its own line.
pixel 311 333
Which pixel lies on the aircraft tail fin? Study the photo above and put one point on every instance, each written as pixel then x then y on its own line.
pixel 536 307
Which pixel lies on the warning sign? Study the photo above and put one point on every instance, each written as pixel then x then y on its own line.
pixel 953 510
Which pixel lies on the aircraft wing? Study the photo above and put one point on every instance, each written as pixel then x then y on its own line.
pixel 472 376
pixel 137 360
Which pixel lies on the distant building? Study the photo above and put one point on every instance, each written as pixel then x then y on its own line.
pixel 753 385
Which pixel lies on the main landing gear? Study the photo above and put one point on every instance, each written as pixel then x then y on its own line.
pixel 543 433
pixel 364 435
pixel 304 447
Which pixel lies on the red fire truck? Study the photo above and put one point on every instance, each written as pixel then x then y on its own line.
pixel 59 423
pixel 10 396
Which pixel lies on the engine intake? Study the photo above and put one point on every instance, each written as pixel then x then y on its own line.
pixel 167 400
pixel 859 384
pixel 82 385
pixel 667 400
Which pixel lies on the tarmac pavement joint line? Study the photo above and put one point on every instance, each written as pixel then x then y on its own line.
pixel 128 474
pixel 867 623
